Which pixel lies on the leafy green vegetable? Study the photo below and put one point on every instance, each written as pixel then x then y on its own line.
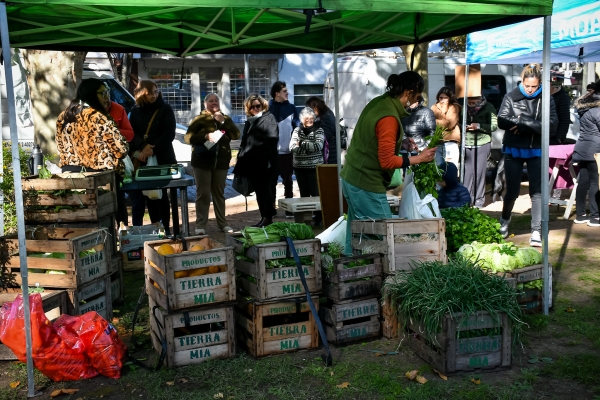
pixel 535 284
pixel 468 224
pixel 333 251
pixel 275 232
pixel 288 262
pixel 500 257
pixel 426 175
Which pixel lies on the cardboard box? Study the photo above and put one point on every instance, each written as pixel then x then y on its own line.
pixel 474 88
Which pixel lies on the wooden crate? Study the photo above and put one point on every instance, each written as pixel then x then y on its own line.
pixel 389 320
pixel 348 283
pixel 351 320
pixel 265 328
pixel 133 260
pixel 451 355
pixel 401 241
pixel 94 296
pixel 54 304
pixel 276 283
pixel 531 301
pixel 70 241
pixel 95 197
pixel 207 335
pixel 528 274
pixel 117 290
pixel 178 293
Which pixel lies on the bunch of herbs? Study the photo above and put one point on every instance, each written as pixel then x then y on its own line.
pixel 426 175
pixel 467 225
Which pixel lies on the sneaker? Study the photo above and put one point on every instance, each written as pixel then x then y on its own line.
pixel 200 231
pixel 504 227
pixel 594 222
pixel 289 214
pixel 582 220
pixel 226 229
pixel 536 239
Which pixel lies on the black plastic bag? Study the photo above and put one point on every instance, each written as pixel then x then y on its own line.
pixel 242 185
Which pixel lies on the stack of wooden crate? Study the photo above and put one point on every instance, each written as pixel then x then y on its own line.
pixel 531 301
pixel 402 243
pixel 78 200
pixel 191 295
pixel 352 292
pixel 272 313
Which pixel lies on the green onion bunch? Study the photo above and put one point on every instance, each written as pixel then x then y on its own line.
pixel 431 289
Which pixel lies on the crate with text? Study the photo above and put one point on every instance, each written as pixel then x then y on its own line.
pixel 351 320
pixel 178 279
pixel 401 241
pixel 69 197
pixel 479 343
pixel 131 244
pixel 524 278
pixel 54 304
pixel 353 277
pixel 265 328
pixel 94 296
pixel 268 271
pixel 195 335
pixel 64 258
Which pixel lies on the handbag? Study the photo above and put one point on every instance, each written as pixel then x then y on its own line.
pixel 242 185
pixel 136 162
pixel 154 194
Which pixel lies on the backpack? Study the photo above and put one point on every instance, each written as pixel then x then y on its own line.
pixel 325 150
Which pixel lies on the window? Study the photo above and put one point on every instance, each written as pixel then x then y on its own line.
pixel 175 85
pixel 304 92
pixel 260 83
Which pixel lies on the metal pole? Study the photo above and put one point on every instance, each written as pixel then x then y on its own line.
pixel 14 139
pixel 338 145
pixel 545 157
pixel 1 178
pixel 464 126
pixel 247 74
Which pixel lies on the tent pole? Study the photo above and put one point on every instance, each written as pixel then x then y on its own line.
pixel 247 74
pixel 14 139
pixel 464 127
pixel 545 157
pixel 338 145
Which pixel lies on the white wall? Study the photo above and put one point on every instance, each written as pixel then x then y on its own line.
pixel 303 69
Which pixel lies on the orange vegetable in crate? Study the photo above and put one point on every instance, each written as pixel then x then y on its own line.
pixel 180 274
pixel 223 268
pixel 214 269
pixel 198 271
pixel 197 247
pixel 165 250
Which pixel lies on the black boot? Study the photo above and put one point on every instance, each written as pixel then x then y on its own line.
pixel 266 222
pixel 260 223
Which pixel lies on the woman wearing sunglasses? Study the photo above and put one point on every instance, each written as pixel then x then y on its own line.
pixel 257 159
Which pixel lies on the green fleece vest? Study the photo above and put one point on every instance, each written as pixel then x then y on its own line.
pixel 362 168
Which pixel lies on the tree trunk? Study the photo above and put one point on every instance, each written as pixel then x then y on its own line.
pixel 126 69
pixel 53 80
pixel 420 63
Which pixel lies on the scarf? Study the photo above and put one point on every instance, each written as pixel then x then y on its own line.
pixel 472 111
pixel 529 96
pixel 308 130
pixel 254 117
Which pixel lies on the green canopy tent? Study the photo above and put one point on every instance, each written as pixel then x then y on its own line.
pixel 188 27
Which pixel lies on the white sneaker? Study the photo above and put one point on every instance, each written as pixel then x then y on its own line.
pixel 504 227
pixel 536 239
pixel 200 231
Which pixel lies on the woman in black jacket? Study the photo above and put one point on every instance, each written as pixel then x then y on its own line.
pixel 588 143
pixel 326 121
pixel 520 116
pixel 257 158
pixel 153 123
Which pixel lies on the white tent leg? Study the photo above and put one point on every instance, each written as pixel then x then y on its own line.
pixel 338 145
pixel 545 158
pixel 14 138
pixel 464 129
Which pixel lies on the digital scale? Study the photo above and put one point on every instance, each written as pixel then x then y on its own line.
pixel 159 172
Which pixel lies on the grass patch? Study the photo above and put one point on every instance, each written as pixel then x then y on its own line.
pixel 583 320
pixel 590 278
pixel 583 368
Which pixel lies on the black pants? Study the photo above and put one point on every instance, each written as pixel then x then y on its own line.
pixel 514 171
pixel 286 170
pixel 159 210
pixel 587 184
pixel 308 185
pixel 475 170
pixel 265 193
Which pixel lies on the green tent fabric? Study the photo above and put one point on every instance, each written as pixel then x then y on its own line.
pixel 188 27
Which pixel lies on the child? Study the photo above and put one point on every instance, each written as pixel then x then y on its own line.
pixel 452 193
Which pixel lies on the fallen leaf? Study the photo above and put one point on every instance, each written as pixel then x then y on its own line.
pixel 411 374
pixel 343 385
pixel 171 383
pixel 218 396
pixel 392 353
pixel 511 235
pixel 421 379
pixel 330 373
pixel 533 360
pixel 115 320
pixel 570 309
pixel 142 359
pixel 547 360
pixel 375 351
pixel 444 377
pixel 182 380
pixel 63 391
pixel 378 354
pixel 476 381
pixel 15 384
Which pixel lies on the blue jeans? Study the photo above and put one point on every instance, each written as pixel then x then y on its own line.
pixel 363 205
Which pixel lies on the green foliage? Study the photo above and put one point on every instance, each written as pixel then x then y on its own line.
pixel 467 225
pixel 426 175
pixel 501 257
pixel 8 187
pixel 276 232
pixel 454 44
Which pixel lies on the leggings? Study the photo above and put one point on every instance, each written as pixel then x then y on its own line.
pixel 514 171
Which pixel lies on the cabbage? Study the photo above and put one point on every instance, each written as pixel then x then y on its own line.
pixel 500 257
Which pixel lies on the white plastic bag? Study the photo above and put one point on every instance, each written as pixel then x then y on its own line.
pixel 129 170
pixel 155 194
pixel 411 204
pixel 335 233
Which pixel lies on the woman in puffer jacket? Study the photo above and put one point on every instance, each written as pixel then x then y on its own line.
pixel 520 116
pixel 588 143
pixel 419 124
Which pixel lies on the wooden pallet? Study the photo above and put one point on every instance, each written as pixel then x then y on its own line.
pixel 346 283
pixel 207 335
pixel 266 328
pixel 351 320
pixel 178 293
pixel 401 241
pixel 54 304
pixel 451 355
pixel 70 241
pixel 89 202
pixel 94 296
pixel 266 284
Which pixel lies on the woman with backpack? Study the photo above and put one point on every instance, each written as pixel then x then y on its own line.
pixel 326 121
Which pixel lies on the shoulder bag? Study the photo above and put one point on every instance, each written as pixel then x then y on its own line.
pixel 137 163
